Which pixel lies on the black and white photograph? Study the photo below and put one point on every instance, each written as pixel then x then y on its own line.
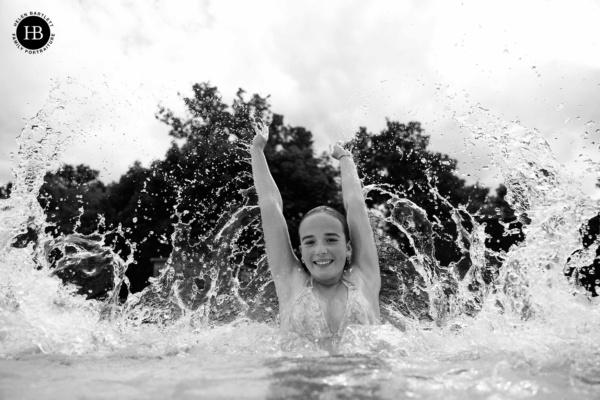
pixel 228 199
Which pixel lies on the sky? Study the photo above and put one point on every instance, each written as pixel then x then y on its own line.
pixel 328 66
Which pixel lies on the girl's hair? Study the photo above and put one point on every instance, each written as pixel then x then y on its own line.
pixel 330 211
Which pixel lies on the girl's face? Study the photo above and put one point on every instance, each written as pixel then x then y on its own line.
pixel 324 247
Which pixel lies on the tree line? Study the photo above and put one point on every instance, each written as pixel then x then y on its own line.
pixel 206 174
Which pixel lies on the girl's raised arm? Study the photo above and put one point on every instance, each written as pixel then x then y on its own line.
pixel 280 256
pixel 364 251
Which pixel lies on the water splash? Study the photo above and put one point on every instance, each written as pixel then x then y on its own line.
pixel 487 306
pixel 551 204
pixel 38 312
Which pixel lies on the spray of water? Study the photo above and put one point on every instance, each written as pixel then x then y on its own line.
pixel 488 302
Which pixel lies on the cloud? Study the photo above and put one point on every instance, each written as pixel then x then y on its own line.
pixel 330 67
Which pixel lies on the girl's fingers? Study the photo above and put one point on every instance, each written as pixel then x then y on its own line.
pixel 259 125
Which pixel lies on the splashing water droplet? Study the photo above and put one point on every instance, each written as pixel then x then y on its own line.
pixel 400 152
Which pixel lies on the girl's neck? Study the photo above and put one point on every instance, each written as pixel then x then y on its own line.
pixel 327 286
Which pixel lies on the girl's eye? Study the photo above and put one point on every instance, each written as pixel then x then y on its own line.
pixel 308 243
pixel 332 240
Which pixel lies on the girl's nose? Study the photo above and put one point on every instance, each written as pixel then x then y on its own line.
pixel 320 249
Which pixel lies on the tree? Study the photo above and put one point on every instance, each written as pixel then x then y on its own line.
pixel 429 214
pixel 72 198
pixel 204 181
pixel 207 169
pixel 398 158
pixel 206 173
pixel 141 204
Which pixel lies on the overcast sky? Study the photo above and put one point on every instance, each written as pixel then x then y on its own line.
pixel 330 66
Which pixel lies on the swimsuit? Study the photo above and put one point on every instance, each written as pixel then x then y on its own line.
pixel 304 316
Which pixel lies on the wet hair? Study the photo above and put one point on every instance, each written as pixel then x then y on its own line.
pixel 329 211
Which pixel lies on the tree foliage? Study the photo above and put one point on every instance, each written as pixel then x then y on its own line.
pixel 73 197
pixel 206 174
pixel 398 157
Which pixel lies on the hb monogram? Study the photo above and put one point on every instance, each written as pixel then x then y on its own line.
pixel 36 31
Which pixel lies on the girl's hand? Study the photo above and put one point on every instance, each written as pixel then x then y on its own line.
pixel 338 151
pixel 261 134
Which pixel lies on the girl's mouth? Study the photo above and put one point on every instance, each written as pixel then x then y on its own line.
pixel 322 263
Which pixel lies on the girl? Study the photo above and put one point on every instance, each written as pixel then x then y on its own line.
pixel 341 282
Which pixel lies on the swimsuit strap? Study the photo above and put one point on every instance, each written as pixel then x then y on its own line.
pixel 351 286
